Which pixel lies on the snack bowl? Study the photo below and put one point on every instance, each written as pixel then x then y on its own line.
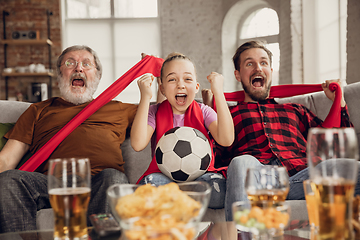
pixel 150 229
pixel 261 218
pixel 172 210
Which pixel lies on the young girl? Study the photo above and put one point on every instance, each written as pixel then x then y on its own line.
pixel 179 86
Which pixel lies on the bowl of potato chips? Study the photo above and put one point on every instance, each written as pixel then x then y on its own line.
pixel 262 218
pixel 170 211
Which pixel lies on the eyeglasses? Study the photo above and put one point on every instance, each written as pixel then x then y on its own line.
pixel 71 64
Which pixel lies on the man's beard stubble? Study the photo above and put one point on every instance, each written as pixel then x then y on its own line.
pixel 257 96
pixel 77 98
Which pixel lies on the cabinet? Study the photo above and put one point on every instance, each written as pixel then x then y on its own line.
pixel 27 42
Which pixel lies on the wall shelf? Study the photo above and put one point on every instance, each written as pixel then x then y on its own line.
pixel 27 42
pixel 28 74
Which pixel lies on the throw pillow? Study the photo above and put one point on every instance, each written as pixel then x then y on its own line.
pixel 4 128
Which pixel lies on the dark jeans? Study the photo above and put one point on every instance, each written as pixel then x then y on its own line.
pixel 24 193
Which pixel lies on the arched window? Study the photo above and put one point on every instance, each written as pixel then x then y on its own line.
pixel 263 24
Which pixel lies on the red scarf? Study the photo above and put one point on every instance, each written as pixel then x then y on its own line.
pixel 164 122
pixel 148 64
pixel 281 91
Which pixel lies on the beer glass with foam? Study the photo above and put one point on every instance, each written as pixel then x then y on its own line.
pixel 69 193
pixel 333 166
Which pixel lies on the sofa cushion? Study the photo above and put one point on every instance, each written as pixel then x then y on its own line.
pixel 11 110
pixel 136 163
pixel 45 219
pixel 4 128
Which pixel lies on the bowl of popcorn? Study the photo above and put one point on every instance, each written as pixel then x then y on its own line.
pixel 170 211
pixel 262 218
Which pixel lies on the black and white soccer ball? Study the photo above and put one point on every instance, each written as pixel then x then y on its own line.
pixel 183 154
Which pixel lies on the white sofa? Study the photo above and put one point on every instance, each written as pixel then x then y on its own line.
pixel 137 162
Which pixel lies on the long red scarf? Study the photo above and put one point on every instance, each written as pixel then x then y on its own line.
pixel 164 122
pixel 333 119
pixel 148 64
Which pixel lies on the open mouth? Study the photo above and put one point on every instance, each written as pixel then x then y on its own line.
pixel 180 98
pixel 78 82
pixel 258 81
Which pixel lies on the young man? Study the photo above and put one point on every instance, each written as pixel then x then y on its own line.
pixel 98 138
pixel 266 133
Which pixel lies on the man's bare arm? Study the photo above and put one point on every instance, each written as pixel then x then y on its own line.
pixel 11 154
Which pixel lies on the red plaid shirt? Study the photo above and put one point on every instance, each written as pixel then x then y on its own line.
pixel 273 133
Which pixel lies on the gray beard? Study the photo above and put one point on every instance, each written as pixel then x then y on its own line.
pixel 77 98
pixel 257 96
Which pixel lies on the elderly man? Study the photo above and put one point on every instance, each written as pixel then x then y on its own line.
pixel 97 138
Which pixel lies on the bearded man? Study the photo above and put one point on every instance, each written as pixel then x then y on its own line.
pixel 98 138
pixel 266 133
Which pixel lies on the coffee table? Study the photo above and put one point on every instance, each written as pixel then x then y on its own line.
pixel 297 230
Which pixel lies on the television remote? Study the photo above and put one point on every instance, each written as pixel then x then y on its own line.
pixel 105 224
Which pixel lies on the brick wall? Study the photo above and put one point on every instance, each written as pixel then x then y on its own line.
pixel 285 42
pixel 194 29
pixel 29 15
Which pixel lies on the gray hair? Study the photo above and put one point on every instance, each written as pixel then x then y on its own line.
pixel 79 48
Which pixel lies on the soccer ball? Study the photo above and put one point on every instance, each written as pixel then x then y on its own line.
pixel 183 154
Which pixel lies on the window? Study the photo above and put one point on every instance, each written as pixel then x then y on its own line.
pixel 324 54
pixel 88 8
pixel 263 24
pixel 103 8
pixel 135 8
pixel 115 29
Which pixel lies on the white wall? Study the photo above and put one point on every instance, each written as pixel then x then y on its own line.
pixel 324 40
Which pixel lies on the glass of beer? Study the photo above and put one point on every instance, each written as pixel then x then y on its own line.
pixel 333 166
pixel 311 205
pixel 267 183
pixel 69 193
